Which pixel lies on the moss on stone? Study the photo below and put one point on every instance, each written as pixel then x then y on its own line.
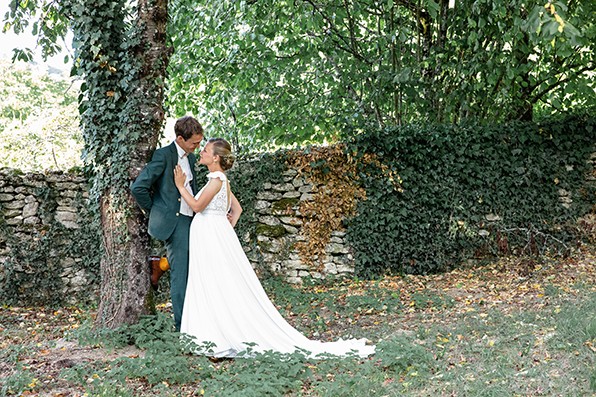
pixel 264 245
pixel 284 204
pixel 270 231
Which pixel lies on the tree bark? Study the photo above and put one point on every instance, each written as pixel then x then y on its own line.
pixel 125 293
pixel 125 287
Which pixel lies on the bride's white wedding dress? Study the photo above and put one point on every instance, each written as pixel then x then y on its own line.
pixel 226 305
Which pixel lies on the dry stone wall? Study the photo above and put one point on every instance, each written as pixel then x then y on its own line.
pixel 43 215
pixel 46 240
pixel 49 246
pixel 278 230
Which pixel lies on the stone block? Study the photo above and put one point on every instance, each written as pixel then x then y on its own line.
pixel 32 220
pixel 269 220
pixel 68 219
pixel 334 248
pixel 269 195
pixel 69 194
pixel 307 197
pixel 14 221
pixel 290 229
pixel 284 205
pixel 12 213
pixel 30 209
pixel 261 205
pixel 67 186
pixel 283 187
pixel 305 188
pixel 16 204
pixel 290 172
pixel 292 194
pixel 271 230
pixel 330 268
pixel 336 240
pixel 344 268
pixel 291 220
pixel 293 264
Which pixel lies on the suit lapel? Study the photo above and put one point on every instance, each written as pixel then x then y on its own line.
pixel 173 155
pixel 191 161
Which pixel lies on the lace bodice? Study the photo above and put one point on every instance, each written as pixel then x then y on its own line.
pixel 220 204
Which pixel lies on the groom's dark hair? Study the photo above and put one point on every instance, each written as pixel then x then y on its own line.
pixel 187 126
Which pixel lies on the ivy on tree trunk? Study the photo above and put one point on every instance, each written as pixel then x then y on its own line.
pixel 124 66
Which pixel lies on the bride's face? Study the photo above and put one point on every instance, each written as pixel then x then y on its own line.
pixel 207 156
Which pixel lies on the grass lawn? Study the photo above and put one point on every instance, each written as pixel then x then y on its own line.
pixel 508 328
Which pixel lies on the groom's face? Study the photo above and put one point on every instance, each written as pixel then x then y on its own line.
pixel 191 144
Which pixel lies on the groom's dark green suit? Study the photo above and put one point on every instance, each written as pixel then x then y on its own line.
pixel 157 195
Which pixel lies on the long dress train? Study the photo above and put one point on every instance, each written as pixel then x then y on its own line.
pixel 225 304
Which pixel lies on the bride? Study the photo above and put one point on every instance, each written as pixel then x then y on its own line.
pixel 226 311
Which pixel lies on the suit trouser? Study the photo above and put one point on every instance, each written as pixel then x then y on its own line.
pixel 177 250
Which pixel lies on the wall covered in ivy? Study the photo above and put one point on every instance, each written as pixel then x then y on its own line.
pixel 473 191
pixel 423 199
pixel 49 243
pixel 413 199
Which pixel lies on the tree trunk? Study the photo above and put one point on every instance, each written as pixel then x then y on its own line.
pixel 125 287
pixel 125 294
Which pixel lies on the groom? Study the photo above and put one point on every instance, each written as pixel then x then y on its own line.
pixel 169 215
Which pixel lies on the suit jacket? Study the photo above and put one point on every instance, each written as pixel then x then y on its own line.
pixel 157 194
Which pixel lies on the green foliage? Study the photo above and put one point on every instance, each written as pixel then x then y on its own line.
pixel 519 343
pixel 272 73
pixel 376 300
pixel 289 298
pixel 424 299
pixel 268 374
pixel 50 24
pixel 301 301
pixel 468 192
pixel 18 382
pixel 335 377
pixel 508 347
pixel 163 359
pixel 400 354
pixel 106 64
pixel 38 120
pixel 574 330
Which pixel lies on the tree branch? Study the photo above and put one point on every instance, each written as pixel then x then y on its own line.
pixel 550 87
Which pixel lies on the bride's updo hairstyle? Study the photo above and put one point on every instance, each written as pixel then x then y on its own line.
pixel 223 149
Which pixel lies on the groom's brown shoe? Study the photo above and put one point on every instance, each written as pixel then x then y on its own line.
pixel 156 271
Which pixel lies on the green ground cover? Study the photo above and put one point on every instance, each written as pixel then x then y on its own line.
pixel 508 328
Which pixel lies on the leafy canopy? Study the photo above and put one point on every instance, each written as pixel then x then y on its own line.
pixel 268 73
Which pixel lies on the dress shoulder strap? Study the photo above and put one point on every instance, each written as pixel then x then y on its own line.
pixel 217 174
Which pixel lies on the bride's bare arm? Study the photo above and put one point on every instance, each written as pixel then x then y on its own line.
pixel 235 210
pixel 204 199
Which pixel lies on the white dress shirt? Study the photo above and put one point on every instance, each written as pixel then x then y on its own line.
pixel 183 162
